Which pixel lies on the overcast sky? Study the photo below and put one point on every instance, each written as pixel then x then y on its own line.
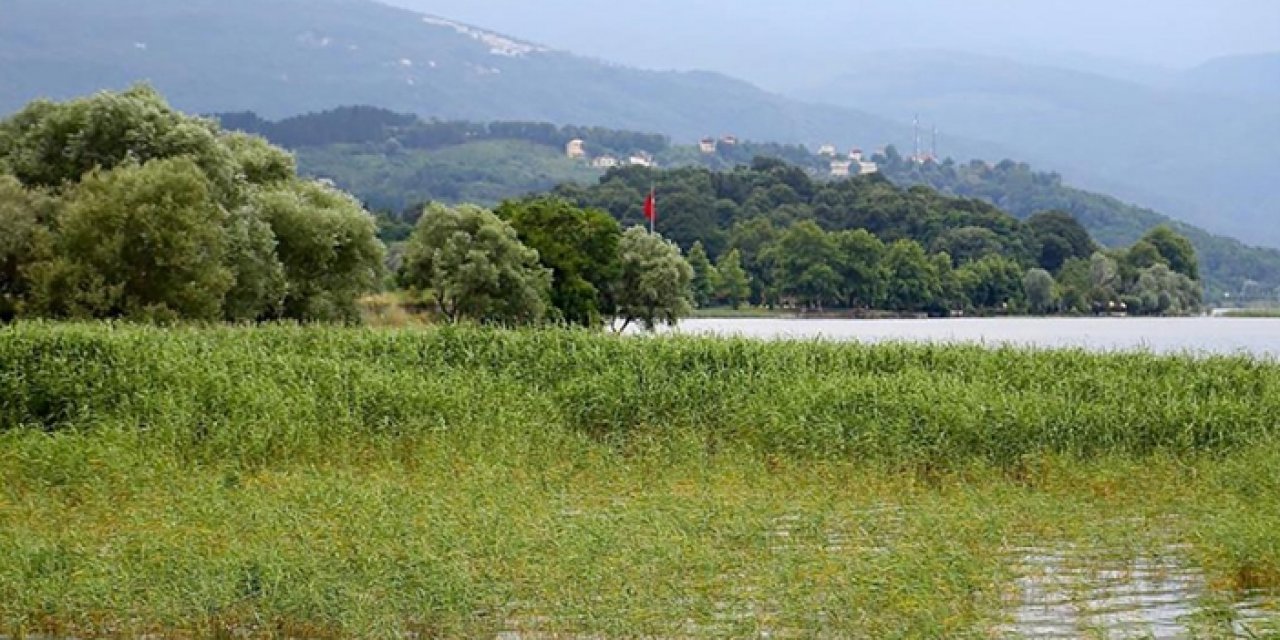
pixel 763 39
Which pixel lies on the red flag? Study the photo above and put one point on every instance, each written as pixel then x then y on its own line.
pixel 651 207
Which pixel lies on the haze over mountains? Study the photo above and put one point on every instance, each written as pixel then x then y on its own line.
pixel 1197 144
pixel 284 57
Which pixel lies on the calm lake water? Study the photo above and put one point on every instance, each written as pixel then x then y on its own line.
pixel 1201 335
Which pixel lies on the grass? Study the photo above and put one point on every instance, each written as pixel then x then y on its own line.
pixel 325 482
pixel 1252 313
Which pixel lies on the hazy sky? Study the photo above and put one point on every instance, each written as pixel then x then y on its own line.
pixel 765 40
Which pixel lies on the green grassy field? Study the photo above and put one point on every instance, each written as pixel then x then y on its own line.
pixel 323 482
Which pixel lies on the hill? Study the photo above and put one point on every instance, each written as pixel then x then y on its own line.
pixel 282 57
pixel 1248 75
pixel 1190 147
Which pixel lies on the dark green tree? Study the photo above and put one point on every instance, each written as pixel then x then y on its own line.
pixel 704 275
pixel 580 246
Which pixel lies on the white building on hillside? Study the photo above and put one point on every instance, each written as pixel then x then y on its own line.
pixel 576 149
pixel 605 162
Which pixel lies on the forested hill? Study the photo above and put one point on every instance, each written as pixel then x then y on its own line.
pixel 393 160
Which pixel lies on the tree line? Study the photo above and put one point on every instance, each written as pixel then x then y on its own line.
pixel 864 243
pixel 391 131
pixel 1229 266
pixel 118 206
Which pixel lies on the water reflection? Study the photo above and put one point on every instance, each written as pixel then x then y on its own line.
pixel 1068 592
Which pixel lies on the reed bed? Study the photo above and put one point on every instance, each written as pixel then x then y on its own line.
pixel 458 482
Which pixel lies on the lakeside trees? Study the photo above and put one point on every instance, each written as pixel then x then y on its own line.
pixel 865 244
pixel 118 206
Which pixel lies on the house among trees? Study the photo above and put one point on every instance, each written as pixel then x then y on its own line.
pixel 640 159
pixel 576 149
pixel 729 141
pixel 840 168
pixel 855 155
pixel 707 145
pixel 828 150
pixel 605 162
pixel 867 168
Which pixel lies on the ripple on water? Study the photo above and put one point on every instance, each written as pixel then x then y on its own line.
pixel 1068 592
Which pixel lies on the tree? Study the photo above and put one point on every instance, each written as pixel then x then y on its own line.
pixel 912 282
pixel 163 215
pixel 1060 237
pixel 859 264
pixel 704 275
pixel 475 267
pixel 996 281
pixel 142 242
pixel 328 246
pixel 655 284
pixel 733 284
pixel 580 246
pixel 24 241
pixel 968 244
pixel 804 261
pixel 1176 250
pixel 1040 290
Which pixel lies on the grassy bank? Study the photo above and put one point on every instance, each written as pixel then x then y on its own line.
pixel 1253 313
pixel 463 483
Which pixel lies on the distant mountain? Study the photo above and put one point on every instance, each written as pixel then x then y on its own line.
pixel 1250 75
pixel 1203 156
pixel 282 57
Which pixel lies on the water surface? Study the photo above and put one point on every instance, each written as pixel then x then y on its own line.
pixel 1259 337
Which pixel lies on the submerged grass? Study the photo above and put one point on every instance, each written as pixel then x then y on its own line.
pixel 322 482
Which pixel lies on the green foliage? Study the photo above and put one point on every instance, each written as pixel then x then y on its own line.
pixel 1227 265
pixel 327 245
pixel 913 282
pixel 996 282
pixel 655 284
pixel 705 278
pixel 581 249
pixel 1175 250
pixel 139 242
pixel 860 268
pixel 733 285
pixel 805 260
pixel 24 241
pixel 1041 290
pixel 1060 238
pixel 162 216
pixel 475 267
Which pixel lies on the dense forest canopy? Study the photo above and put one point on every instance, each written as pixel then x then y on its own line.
pixel 364 151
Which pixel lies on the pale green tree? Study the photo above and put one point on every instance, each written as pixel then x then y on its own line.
pixel 328 246
pixel 475 267
pixel 1041 290
pixel 655 284
pixel 733 285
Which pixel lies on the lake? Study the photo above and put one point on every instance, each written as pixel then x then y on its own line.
pixel 1200 335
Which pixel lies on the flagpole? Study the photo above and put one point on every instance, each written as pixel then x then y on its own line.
pixel 653 195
